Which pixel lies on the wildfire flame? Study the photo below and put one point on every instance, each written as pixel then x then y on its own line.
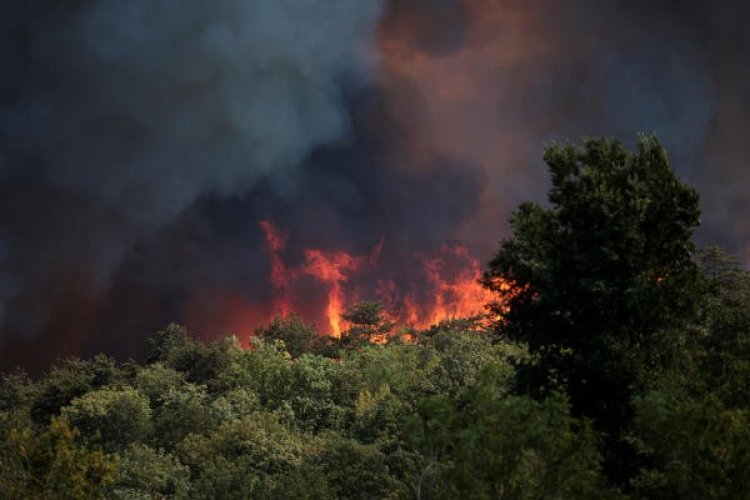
pixel 450 288
pixel 275 244
pixel 460 297
pixel 332 269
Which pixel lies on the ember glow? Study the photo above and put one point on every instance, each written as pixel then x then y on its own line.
pixel 276 242
pixel 333 270
pixel 449 287
pixel 450 290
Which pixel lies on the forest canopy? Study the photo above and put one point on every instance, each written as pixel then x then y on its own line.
pixel 617 366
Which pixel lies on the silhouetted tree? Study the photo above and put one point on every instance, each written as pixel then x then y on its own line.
pixel 367 319
pixel 604 276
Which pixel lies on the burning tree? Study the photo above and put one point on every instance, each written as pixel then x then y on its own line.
pixel 368 320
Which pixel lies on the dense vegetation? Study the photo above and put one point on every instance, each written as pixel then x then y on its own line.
pixel 621 369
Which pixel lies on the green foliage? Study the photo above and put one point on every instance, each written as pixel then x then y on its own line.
pixel 241 458
pixel 402 367
pixel 465 355
pixel 697 448
pixel 378 415
pixel 313 394
pixel 156 380
pixel 53 464
pixel 147 473
pixel 17 392
pixel 724 358
pixel 486 445
pixel 304 482
pixel 182 411
pixel 265 369
pixel 298 336
pixel 164 345
pixel 69 379
pixel 367 319
pixel 203 364
pixel 621 368
pixel 234 404
pixel 692 427
pixel 120 415
pixel 356 470
pixel 604 278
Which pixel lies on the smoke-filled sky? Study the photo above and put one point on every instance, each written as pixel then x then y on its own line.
pixel 142 141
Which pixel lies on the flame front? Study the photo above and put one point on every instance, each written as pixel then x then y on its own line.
pixel 450 287
pixel 460 297
pixel 332 269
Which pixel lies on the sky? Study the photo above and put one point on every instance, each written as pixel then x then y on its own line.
pixel 143 141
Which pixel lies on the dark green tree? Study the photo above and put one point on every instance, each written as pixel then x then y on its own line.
pixel 53 464
pixel 241 458
pixel 147 473
pixel 697 447
pixel 724 346
pixel 603 274
pixel 69 379
pixel 119 415
pixel 367 319
pixel 299 336
pixel 488 445
pixel 164 344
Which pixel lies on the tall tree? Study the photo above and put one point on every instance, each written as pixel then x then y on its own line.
pixel 603 274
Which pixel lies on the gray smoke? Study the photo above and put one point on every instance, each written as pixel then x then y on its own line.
pixel 147 105
pixel 117 115
pixel 5 286
pixel 141 141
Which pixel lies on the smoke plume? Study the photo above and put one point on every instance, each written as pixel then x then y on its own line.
pixel 118 115
pixel 141 142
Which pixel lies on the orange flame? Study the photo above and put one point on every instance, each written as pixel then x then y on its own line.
pixel 451 288
pixel 276 243
pixel 457 294
pixel 332 268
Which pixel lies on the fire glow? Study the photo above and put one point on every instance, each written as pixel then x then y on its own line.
pixel 450 286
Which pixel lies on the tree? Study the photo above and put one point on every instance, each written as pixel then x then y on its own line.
pixel 242 458
pixel 367 319
pixel 463 358
pixel 724 357
pixel 356 470
pixel 163 345
pixel 697 447
pixel 199 362
pixel 69 379
pixel 313 396
pixel 119 416
pixel 17 391
pixel 299 337
pixel 487 445
pixel 147 473
pixel 603 276
pixel 183 410
pixel 155 381
pixel 53 464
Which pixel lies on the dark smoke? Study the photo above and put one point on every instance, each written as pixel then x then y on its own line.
pixel 118 115
pixel 141 141
pixel 527 73
pixel 437 27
